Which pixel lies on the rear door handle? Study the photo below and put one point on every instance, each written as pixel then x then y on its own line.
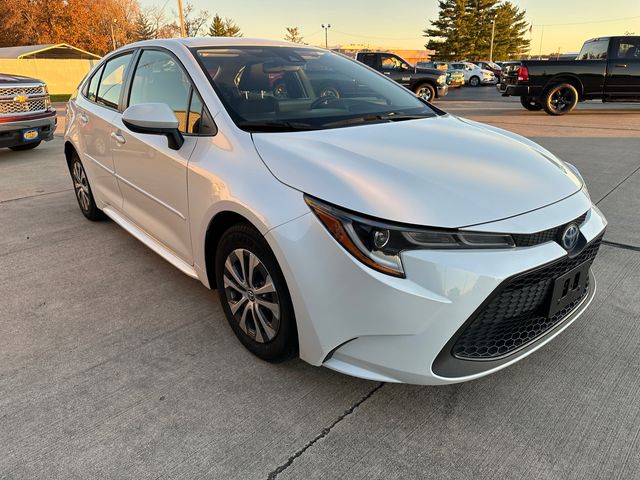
pixel 118 138
pixel 621 65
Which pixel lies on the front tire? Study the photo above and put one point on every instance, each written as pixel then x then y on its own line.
pixel 474 81
pixel 254 294
pixel 530 104
pixel 425 92
pixel 82 189
pixel 560 99
pixel 26 146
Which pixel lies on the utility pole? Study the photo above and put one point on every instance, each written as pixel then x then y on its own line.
pixel 493 33
pixel 326 30
pixel 113 37
pixel 183 31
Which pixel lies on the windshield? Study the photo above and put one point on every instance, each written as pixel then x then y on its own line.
pixel 269 88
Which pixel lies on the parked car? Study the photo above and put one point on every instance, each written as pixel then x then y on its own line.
pixel 26 115
pixel 607 69
pixel 427 83
pixel 455 78
pixel 491 66
pixel 475 76
pixel 364 234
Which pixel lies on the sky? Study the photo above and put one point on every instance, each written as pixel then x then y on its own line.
pixel 558 25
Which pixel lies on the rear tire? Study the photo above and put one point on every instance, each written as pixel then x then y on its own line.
pixel 425 92
pixel 82 189
pixel 26 146
pixel 530 104
pixel 560 99
pixel 254 294
pixel 474 81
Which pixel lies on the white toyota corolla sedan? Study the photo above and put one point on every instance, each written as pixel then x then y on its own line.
pixel 360 230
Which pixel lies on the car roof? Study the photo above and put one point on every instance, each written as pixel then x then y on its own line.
pixel 192 42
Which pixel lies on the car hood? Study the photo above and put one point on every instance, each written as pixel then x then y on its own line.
pixel 442 171
pixel 12 79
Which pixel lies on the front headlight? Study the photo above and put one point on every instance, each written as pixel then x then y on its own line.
pixel 378 244
pixel 442 79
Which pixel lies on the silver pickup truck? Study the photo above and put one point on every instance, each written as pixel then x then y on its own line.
pixel 26 115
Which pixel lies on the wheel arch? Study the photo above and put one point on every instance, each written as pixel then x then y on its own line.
pixel 69 150
pixel 218 224
pixel 566 78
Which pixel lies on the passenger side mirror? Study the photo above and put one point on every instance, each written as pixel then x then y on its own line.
pixel 154 119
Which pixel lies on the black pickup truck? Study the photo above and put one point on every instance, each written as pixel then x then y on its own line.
pixel 427 83
pixel 607 69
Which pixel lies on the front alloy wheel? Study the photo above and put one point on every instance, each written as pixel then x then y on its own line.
pixel 251 295
pixel 425 92
pixel 254 294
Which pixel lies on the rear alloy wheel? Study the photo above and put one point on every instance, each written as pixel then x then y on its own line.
pixel 25 146
pixel 530 104
pixel 82 190
pixel 560 99
pixel 254 294
pixel 425 92
pixel 474 81
pixel 329 92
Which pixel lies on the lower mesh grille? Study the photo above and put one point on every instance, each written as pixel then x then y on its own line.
pixel 514 317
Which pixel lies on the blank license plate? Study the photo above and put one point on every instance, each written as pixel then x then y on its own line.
pixel 568 288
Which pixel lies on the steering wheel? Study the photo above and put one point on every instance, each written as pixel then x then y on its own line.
pixel 324 102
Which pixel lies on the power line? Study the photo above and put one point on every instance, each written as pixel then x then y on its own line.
pixel 584 23
pixel 373 36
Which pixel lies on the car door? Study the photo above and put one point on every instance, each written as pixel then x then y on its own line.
pixel 623 68
pixel 393 66
pixel 152 176
pixel 97 107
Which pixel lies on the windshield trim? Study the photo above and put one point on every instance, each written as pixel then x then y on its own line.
pixel 238 120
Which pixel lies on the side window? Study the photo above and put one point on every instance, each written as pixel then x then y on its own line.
pixel 93 84
pixel 159 78
pixel 198 121
pixel 628 48
pixel 596 50
pixel 113 73
pixel 390 63
pixel 369 59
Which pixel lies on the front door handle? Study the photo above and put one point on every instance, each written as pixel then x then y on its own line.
pixel 118 138
pixel 621 65
pixel 83 118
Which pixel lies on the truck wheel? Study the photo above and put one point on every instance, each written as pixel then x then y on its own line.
pixel 425 92
pixel 530 104
pixel 474 81
pixel 560 99
pixel 329 91
pixel 26 146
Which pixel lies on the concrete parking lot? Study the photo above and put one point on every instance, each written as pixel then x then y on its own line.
pixel 113 364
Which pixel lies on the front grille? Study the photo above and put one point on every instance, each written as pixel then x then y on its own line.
pixel 514 317
pixel 529 240
pixel 23 107
pixel 26 90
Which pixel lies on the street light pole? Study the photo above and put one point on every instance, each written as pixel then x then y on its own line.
pixel 326 30
pixel 113 38
pixel 493 33
pixel 183 32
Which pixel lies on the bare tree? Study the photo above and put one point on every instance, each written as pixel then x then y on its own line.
pixel 293 35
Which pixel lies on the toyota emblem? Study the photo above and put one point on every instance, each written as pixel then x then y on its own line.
pixel 570 236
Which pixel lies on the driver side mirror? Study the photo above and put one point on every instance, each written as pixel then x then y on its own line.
pixel 154 119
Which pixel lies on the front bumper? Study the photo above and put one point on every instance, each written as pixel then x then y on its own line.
pixel 489 81
pixel 11 128
pixel 442 91
pixel 370 325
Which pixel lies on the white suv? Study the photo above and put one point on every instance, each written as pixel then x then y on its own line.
pixel 475 76
pixel 362 232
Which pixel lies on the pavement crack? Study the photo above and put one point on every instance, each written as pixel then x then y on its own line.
pixel 325 431
pixel 618 185
pixel 35 195
pixel 624 246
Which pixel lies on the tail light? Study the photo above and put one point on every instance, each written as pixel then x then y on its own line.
pixel 523 74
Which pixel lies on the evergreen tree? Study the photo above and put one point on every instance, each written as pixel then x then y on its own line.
pixel 463 30
pixel 293 35
pixel 143 30
pixel 224 27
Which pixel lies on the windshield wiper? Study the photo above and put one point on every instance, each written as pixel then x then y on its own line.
pixel 275 126
pixel 390 117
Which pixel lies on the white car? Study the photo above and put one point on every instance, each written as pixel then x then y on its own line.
pixel 475 76
pixel 363 233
